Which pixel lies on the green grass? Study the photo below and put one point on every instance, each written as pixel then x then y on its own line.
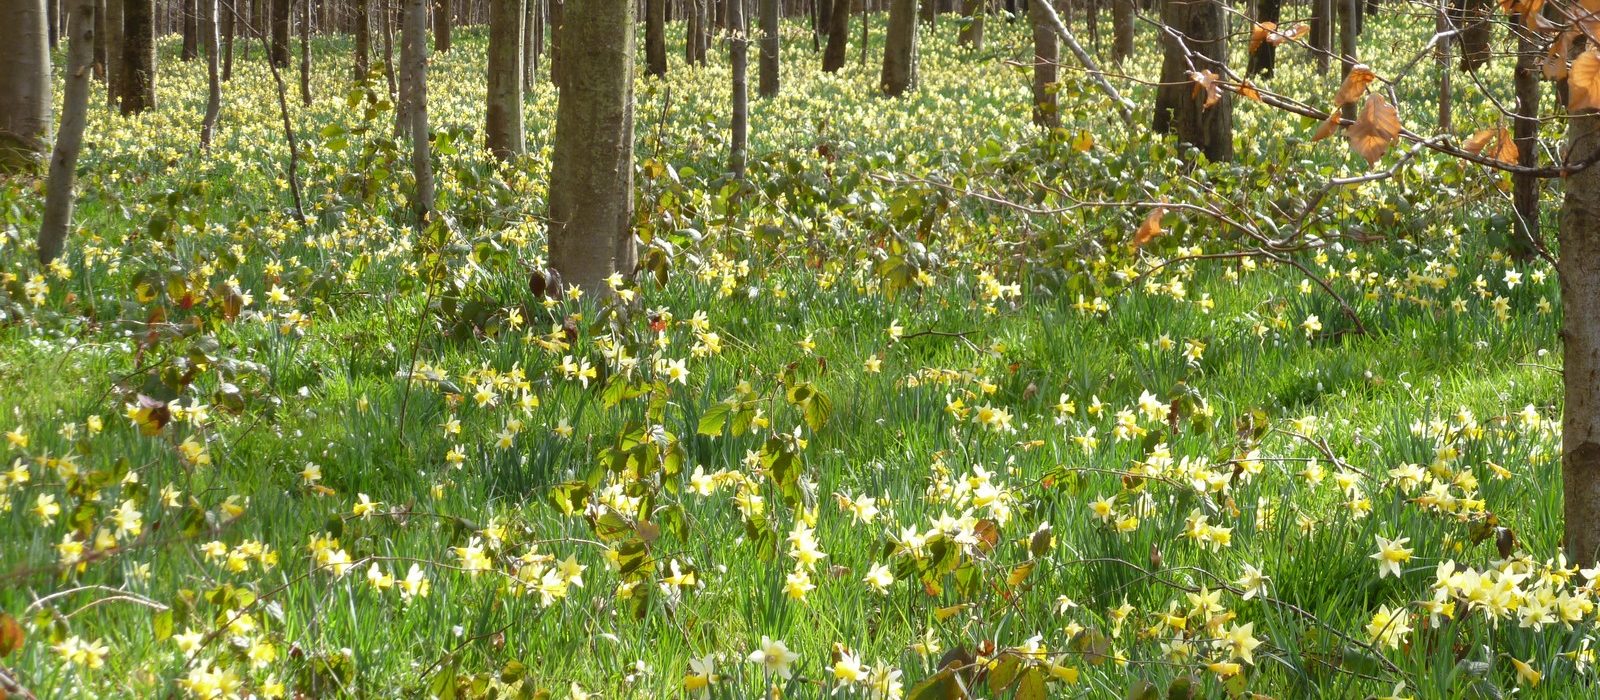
pixel 820 241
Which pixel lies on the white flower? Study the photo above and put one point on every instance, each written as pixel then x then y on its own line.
pixel 775 656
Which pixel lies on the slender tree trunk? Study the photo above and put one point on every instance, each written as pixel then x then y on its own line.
pixel 1121 30
pixel 442 17
pixel 739 59
pixel 835 53
pixel 363 32
pixel 100 39
pixel 769 48
pixel 25 96
pixel 1180 108
pixel 229 20
pixel 972 33
pixel 503 123
pixel 533 42
pixel 397 88
pixel 52 23
pixel 556 17
pixel 900 49
pixel 280 33
pixel 1265 56
pixel 1579 269
pixel 1046 54
pixel 591 178
pixel 69 139
pixel 655 37
pixel 414 59
pixel 113 31
pixel 138 56
pixel 1443 24
pixel 208 38
pixel 1525 231
pixel 189 22
pixel 305 52
pixel 1473 18
pixel 1322 34
pixel 1349 14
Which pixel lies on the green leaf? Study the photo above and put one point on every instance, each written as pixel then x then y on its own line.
pixel 714 419
pixel 1031 686
pixel 162 624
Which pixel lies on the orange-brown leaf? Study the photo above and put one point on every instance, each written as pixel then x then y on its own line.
pixel 1555 60
pixel 1355 84
pixel 1206 81
pixel 1375 130
pixel 1249 91
pixel 1150 229
pixel 1584 81
pixel 1326 129
pixel 1259 34
pixel 1495 144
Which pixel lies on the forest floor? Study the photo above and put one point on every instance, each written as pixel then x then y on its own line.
pixel 858 412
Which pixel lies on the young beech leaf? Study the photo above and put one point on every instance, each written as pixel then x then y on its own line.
pixel 1375 130
pixel 1584 81
pixel 1150 229
pixel 1355 85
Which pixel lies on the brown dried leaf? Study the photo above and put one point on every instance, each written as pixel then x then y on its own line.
pixel 1355 85
pixel 1495 144
pixel 1206 81
pixel 1150 229
pixel 1375 130
pixel 1249 91
pixel 1259 34
pixel 1584 81
pixel 1328 126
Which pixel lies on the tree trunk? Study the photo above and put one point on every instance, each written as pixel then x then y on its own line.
pixel 442 18
pixel 1473 18
pixel 52 22
pixel 556 17
pixel 138 56
pixel 189 22
pixel 414 62
pixel 1121 30
pixel 113 31
pixel 1046 54
pixel 836 52
pixel 100 39
pixel 280 33
pixel 1525 233
pixel 1264 59
pixel 208 38
pixel 591 178
pixel 533 42
pixel 900 49
pixel 1349 15
pixel 1442 24
pixel 25 95
pixel 972 34
pixel 229 20
pixel 1178 108
pixel 363 32
pixel 74 109
pixel 503 123
pixel 1322 34
pixel 769 48
pixel 1579 270
pixel 739 60
pixel 397 87
pixel 655 37
pixel 305 52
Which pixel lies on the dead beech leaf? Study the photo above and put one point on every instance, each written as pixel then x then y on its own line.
pixel 1355 84
pixel 1584 82
pixel 1496 144
pixel 1206 81
pixel 1150 229
pixel 1328 126
pixel 1259 34
pixel 1249 91
pixel 1554 64
pixel 1375 130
